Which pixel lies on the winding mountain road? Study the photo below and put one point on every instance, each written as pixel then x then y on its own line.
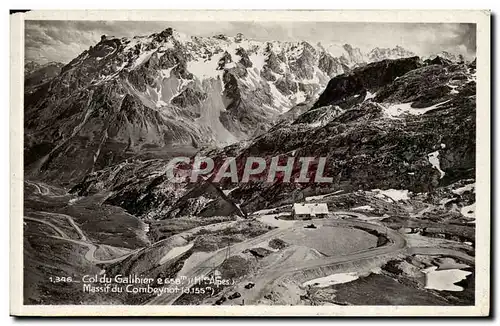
pixel 46 190
pixel 84 241
pixel 397 243
pixel 61 233
pixel 430 251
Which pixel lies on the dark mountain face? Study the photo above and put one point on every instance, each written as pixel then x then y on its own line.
pixel 402 124
pixel 342 89
pixel 148 96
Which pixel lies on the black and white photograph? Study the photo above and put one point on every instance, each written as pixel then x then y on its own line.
pixel 253 163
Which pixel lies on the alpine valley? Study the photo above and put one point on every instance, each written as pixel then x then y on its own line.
pixel 398 133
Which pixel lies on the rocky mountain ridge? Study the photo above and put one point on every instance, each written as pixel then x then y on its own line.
pixel 401 124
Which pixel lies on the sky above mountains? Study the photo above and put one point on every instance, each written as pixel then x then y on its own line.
pixel 62 41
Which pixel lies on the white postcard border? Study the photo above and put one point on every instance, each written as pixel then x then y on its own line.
pixel 483 137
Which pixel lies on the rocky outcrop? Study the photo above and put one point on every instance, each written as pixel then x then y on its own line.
pixel 429 85
pixel 350 88
pixel 331 66
pixel 453 57
pixel 355 55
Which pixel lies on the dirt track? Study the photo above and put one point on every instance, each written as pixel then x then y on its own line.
pixel 397 243
pixel 90 254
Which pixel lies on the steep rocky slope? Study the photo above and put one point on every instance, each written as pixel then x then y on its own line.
pixel 402 124
pixel 150 94
pixel 35 74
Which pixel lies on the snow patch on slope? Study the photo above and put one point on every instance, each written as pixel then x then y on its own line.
pixel 363 208
pixel 461 190
pixel 279 99
pixel 469 211
pixel 258 60
pixel 444 280
pixel 143 57
pixel 369 95
pixel 333 279
pixel 434 161
pixel 339 278
pixel 175 252
pixel 395 110
pixel 392 194
pixel 205 68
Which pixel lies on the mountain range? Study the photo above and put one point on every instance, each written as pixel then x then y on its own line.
pixel 125 96
pixel 157 96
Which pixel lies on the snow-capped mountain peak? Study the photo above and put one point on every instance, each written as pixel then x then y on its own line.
pixel 397 52
pixel 173 88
